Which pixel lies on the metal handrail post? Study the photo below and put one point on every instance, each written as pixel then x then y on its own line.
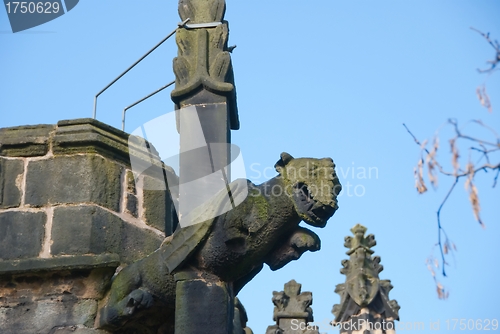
pixel 183 23
pixel 139 101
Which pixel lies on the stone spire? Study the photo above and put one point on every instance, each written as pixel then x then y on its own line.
pixel 364 298
pixel 292 311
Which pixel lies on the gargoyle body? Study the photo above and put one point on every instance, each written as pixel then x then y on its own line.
pixel 234 246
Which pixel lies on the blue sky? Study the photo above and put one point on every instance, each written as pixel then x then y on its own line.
pixel 324 78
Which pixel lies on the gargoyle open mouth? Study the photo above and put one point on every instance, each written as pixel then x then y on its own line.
pixel 312 211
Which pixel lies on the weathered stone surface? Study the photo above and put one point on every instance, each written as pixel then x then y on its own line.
pixel 59 295
pixel 80 284
pixel 11 172
pixel 87 135
pixel 21 234
pixel 93 230
pixel 84 230
pixel 131 205
pixel 47 315
pixel 81 262
pixel 137 243
pixel 197 300
pixel 131 188
pixel 25 141
pixel 74 179
pixel 157 204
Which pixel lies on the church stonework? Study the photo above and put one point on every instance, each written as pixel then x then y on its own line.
pixel 71 215
pixel 91 240
pixel 79 227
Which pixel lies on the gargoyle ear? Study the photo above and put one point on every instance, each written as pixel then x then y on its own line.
pixel 283 161
pixel 285 158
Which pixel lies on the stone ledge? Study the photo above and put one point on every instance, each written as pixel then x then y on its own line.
pixel 79 330
pixel 35 265
pixel 87 135
pixel 25 141
pixel 83 135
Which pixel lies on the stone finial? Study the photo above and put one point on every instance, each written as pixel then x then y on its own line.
pixel 363 295
pixel 292 311
pixel 202 11
pixel 203 68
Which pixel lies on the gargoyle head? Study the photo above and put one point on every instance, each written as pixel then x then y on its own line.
pixel 313 186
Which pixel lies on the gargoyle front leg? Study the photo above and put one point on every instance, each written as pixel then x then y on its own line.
pixel 126 296
pixel 300 241
pixel 114 316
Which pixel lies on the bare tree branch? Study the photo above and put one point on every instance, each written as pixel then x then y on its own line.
pixel 469 173
pixel 482 146
pixel 440 228
pixel 495 45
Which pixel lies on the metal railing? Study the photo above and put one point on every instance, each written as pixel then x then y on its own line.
pixel 180 25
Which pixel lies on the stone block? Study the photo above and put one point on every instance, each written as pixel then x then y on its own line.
pixel 11 172
pixel 157 203
pixel 21 234
pixel 137 243
pixel 74 179
pixel 131 205
pixel 203 304
pixel 131 188
pixel 25 141
pixel 93 230
pixel 47 315
pixel 85 230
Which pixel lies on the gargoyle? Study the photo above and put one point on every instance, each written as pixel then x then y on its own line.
pixel 264 228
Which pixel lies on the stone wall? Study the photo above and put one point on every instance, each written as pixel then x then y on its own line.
pixel 71 213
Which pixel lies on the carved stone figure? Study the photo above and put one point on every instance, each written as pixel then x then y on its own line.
pixel 232 247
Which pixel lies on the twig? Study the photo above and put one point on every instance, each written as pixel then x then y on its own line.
pixel 495 46
pixel 485 167
pixel 440 228
pixel 460 135
pixel 415 138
